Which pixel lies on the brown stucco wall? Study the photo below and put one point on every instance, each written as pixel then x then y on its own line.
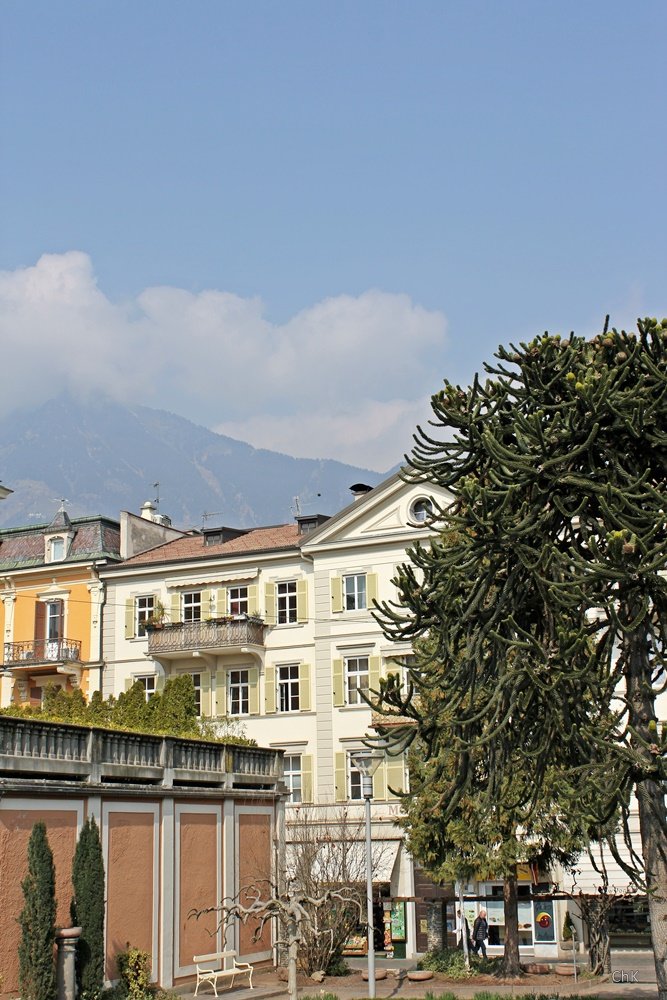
pixel 130 889
pixel 199 865
pixel 254 833
pixel 15 829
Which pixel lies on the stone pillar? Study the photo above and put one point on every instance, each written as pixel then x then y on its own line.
pixel 435 927
pixel 66 940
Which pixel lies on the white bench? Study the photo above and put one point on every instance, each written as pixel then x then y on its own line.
pixel 211 969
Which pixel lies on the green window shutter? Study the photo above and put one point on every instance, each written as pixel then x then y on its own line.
pixel 253 603
pixel 380 782
pixel 304 687
pixel 221 692
pixel 253 690
pixel 206 701
pixel 341 777
pixel 371 589
pixel 221 602
pixel 395 775
pixel 374 673
pixel 306 777
pixel 336 593
pixel 160 681
pixel 302 601
pixel 338 684
pixel 269 689
pixel 270 603
pixel 129 618
pixel 206 600
pixel 175 607
pixel 129 681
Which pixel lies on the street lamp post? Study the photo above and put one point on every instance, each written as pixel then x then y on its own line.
pixel 367 762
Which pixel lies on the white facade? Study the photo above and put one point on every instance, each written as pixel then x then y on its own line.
pixel 292 682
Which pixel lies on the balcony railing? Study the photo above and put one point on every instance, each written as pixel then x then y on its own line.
pixel 50 750
pixel 42 651
pixel 216 633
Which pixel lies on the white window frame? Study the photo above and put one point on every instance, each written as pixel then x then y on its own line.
pixel 286 602
pixel 293 777
pixel 149 683
pixel 54 620
pixel 355 592
pixel 354 780
pixel 191 606
pixel 57 549
pixel 288 687
pixel 196 683
pixel 237 600
pixel 144 606
pixel 353 671
pixel 238 690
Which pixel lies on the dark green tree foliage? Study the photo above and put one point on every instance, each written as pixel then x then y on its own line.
pixel 37 974
pixel 478 842
pixel 176 709
pixel 557 465
pixel 88 911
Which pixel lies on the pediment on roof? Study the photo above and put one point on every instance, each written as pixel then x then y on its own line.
pixel 394 508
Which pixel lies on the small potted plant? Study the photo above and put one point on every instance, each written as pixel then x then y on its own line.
pixel 155 619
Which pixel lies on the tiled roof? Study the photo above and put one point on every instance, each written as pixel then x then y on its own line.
pixel 278 536
pixel 94 538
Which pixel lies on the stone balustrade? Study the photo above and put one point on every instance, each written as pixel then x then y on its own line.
pixel 57 751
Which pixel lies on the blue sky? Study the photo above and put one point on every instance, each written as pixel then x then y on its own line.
pixel 290 221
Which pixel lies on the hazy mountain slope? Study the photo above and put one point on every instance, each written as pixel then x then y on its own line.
pixel 104 457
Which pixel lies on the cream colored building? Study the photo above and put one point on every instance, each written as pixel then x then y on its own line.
pixel 275 626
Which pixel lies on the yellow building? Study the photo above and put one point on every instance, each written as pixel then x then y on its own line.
pixel 51 604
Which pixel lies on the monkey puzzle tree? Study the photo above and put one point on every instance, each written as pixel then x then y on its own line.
pixel 557 466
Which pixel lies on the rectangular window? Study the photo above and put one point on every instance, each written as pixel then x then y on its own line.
pixel 143 610
pixel 191 604
pixel 238 692
pixel 292 769
pixel 286 594
pixel 54 620
pixel 355 780
pixel 149 684
pixel 288 687
pixel 355 592
pixel 356 678
pixel 196 683
pixel 238 600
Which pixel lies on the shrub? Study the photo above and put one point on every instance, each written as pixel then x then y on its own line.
pixel 37 974
pixel 449 961
pixel 337 966
pixel 134 969
pixel 88 911
pixel 567 926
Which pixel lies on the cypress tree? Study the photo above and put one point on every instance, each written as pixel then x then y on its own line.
pixel 37 974
pixel 88 910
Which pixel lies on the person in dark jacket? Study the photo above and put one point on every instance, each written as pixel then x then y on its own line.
pixel 480 932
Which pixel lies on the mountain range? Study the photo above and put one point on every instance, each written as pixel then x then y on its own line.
pixel 103 457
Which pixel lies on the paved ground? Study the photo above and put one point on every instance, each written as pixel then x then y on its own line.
pixel 633 978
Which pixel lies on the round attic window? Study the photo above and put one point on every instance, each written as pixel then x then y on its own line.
pixel 421 510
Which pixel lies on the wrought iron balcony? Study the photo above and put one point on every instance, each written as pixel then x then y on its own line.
pixel 215 635
pixel 40 651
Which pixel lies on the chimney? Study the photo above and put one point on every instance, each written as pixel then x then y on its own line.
pixel 360 490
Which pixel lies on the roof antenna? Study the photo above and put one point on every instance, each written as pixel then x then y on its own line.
pixel 156 487
pixel 210 513
pixel 297 505
pixel 62 501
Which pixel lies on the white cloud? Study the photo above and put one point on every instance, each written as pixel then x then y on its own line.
pixel 346 378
